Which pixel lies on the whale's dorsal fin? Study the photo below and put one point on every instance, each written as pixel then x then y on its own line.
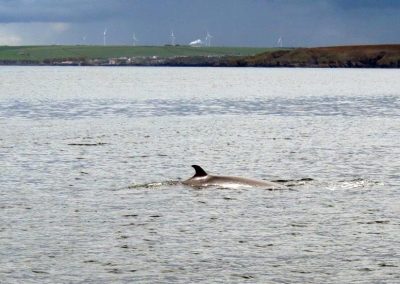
pixel 199 171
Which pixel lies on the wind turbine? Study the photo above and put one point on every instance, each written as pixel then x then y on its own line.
pixel 135 40
pixel 208 39
pixel 84 39
pixel 173 38
pixel 279 43
pixel 104 36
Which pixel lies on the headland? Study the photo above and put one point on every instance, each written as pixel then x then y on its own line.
pixel 357 56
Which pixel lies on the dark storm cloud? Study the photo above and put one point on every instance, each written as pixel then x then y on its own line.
pixel 61 10
pixel 373 4
pixel 231 22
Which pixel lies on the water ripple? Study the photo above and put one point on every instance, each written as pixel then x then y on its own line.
pixel 90 191
pixel 386 106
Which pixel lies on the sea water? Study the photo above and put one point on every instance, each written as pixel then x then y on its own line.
pixel 91 160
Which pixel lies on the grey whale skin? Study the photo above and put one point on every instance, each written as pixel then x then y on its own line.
pixel 202 179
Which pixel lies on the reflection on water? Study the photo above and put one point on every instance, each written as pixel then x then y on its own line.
pixel 92 159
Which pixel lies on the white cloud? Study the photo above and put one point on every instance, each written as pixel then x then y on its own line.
pixel 36 33
pixel 8 37
pixel 60 27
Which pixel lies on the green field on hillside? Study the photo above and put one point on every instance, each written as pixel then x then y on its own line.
pixel 59 52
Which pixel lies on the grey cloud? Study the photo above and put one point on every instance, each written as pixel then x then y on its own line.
pixel 231 22
pixel 61 10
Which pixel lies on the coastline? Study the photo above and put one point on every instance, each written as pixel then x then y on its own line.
pixel 361 56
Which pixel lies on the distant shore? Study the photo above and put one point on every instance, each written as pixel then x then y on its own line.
pixel 361 56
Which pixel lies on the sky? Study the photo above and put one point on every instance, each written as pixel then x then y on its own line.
pixel 258 23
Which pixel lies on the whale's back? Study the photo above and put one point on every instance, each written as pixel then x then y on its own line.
pixel 241 181
pixel 202 179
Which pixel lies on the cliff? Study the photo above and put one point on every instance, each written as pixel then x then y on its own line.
pixel 367 56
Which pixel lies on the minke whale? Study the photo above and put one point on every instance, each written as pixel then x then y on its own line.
pixel 202 179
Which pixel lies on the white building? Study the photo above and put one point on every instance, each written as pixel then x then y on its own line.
pixel 196 43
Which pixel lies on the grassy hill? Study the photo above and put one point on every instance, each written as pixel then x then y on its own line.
pixel 59 52
pixel 336 56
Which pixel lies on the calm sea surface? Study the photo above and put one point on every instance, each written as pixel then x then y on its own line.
pixel 90 159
